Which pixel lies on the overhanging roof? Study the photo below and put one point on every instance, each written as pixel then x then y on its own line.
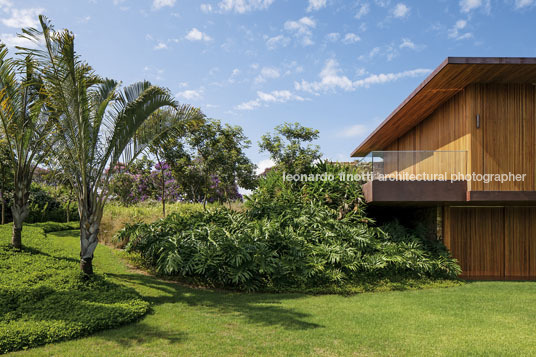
pixel 452 76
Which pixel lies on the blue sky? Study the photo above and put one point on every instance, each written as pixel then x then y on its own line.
pixel 338 66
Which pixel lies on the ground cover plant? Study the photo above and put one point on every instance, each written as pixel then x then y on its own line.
pixel 302 235
pixel 44 298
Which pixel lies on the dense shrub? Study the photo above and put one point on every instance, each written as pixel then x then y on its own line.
pixel 116 216
pixel 48 206
pixel 294 235
pixel 44 298
pixel 46 203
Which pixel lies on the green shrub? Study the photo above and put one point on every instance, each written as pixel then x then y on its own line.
pixel 44 298
pixel 46 204
pixel 293 235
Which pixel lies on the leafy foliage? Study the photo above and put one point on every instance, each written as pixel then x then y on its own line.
pixel 25 128
pixel 97 122
pixel 45 203
pixel 298 235
pixel 287 149
pixel 44 299
pixel 209 161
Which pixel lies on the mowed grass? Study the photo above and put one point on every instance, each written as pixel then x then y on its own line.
pixel 483 318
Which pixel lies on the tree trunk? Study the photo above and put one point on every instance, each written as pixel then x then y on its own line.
pixel 90 218
pixel 163 194
pixel 89 231
pixel 20 211
pixel 69 205
pixel 3 203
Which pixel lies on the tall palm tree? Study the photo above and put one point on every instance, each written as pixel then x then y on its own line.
pixel 99 123
pixel 25 127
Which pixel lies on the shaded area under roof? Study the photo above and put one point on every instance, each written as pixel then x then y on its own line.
pixel 449 78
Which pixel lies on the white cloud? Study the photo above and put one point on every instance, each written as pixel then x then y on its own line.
pixel 363 10
pixel 267 73
pixel 243 6
pixel 333 36
pixel 276 96
pixel 455 31
pixel 196 35
pixel 350 38
pixel 19 18
pixel 332 79
pixel 191 94
pixel 316 5
pixel 302 29
pixel 263 165
pixel 5 5
pixel 153 73
pixel 160 46
pixel 407 43
pixel 390 77
pixel 250 105
pixel 206 8
pixel 523 3
pixel 400 10
pixel 468 5
pixel 382 3
pixel 158 4
pixel 353 131
pixel 84 20
pixel 234 75
pixel 277 41
pixel 11 40
pixel 389 51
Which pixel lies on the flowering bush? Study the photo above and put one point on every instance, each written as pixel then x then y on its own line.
pixel 139 183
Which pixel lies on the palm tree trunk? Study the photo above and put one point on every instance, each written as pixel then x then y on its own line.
pixel 89 231
pixel 90 219
pixel 20 212
pixel 16 237
pixel 69 205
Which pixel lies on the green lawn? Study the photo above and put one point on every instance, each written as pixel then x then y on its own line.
pixel 484 318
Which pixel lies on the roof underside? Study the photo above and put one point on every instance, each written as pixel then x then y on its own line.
pixel 452 76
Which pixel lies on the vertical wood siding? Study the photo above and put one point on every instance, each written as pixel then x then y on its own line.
pixel 504 143
pixel 492 242
pixel 444 130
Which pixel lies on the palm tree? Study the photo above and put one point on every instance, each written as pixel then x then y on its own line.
pixel 25 127
pixel 99 123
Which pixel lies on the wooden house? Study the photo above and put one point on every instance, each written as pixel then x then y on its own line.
pixel 469 130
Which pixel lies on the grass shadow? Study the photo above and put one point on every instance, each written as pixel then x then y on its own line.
pixel 256 308
pixel 35 251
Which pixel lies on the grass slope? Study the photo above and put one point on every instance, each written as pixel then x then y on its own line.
pixel 44 298
pixel 483 318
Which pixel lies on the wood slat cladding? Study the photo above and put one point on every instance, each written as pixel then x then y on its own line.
pixel 492 242
pixel 448 79
pixel 446 129
pixel 504 143
pixel 519 242
pixel 477 241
